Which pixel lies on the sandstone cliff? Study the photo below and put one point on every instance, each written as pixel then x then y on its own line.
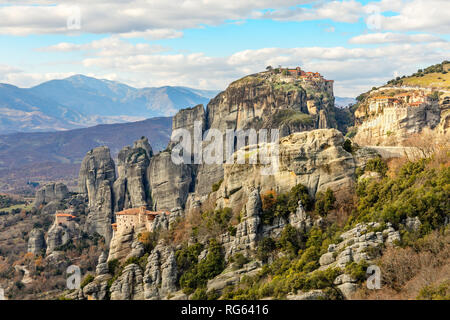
pixel 391 116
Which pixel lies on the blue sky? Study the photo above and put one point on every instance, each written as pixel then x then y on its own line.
pixel 208 44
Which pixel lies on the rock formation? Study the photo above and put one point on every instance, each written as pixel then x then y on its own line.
pixel 160 276
pixel 51 192
pixel 129 284
pixel 131 189
pixel 96 178
pixel 248 231
pixel 315 159
pixel 98 289
pixel 36 241
pixel 59 235
pixel 169 183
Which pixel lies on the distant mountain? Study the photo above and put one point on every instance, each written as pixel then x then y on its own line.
pixel 21 110
pixel 48 156
pixel 81 101
pixel 343 101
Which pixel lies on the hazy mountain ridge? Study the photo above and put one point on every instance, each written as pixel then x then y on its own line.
pixel 43 156
pixel 81 101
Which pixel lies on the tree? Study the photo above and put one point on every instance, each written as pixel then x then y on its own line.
pixel 325 202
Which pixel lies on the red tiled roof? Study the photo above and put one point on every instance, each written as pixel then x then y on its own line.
pixel 65 215
pixel 134 211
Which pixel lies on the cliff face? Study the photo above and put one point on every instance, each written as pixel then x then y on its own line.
pixel 389 116
pixel 315 159
pixel 263 100
pixel 131 186
pixel 169 183
pixel 97 174
pixel 51 192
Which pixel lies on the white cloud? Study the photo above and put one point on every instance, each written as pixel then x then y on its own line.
pixel 420 15
pixel 340 11
pixel 107 47
pixel 351 68
pixel 389 37
pixel 153 34
pixel 137 17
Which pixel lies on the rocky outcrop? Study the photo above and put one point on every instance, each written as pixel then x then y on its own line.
pixel 248 230
pixel 233 277
pixel 100 215
pixel 129 284
pixel 96 167
pixel 131 189
pixel 160 276
pixel 98 289
pixel 187 118
pixel 315 159
pixel 137 250
pixel 121 244
pixel 51 192
pixel 169 183
pixel 346 284
pixel 256 100
pixel 36 241
pixel 59 235
pixel 359 243
pixel 310 295
pixel 97 174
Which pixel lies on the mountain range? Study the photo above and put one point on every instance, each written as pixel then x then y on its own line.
pixel 81 101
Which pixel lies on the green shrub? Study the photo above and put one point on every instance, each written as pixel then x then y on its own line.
pixel 218 220
pixel 265 248
pixel 324 202
pixel 113 266
pixel 290 240
pixel 283 204
pixel 187 257
pixel 232 230
pixel 199 273
pixel 199 294
pixel 357 270
pixel 87 279
pixel 377 165
pixel 417 190
pixel 239 260
pixel 438 292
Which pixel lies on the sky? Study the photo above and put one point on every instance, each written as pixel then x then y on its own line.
pixel 207 44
